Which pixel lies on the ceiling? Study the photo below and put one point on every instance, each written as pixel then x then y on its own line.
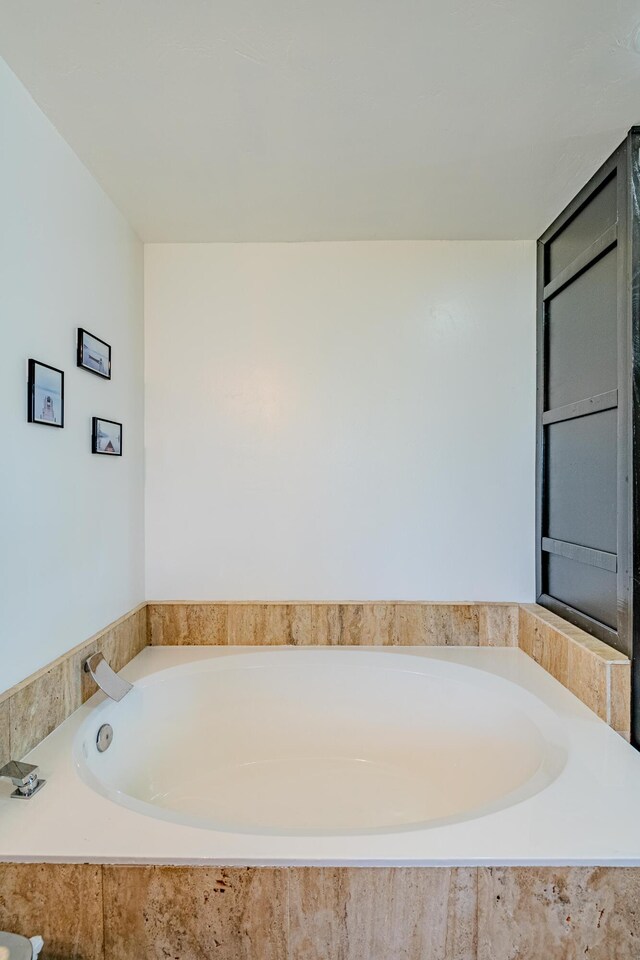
pixel 210 120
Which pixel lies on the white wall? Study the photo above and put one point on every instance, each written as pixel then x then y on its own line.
pixel 71 524
pixel 340 421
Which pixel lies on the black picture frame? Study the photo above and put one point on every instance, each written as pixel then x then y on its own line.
pixel 98 362
pixel 41 394
pixel 97 436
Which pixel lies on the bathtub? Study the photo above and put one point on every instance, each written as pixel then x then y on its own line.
pixel 423 756
pixel 316 742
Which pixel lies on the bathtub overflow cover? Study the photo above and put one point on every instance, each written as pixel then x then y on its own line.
pixel 104 738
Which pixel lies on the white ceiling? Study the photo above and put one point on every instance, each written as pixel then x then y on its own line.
pixel 333 119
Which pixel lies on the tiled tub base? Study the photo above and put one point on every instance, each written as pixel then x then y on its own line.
pixel 86 912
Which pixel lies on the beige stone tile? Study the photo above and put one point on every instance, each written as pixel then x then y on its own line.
pixel 588 678
pixel 317 913
pixel 552 620
pixel 5 733
pixel 353 624
pixel 195 913
pixel 322 623
pixel 202 624
pixel 62 902
pixel 456 624
pixel 544 643
pixel 498 625
pixel 552 653
pixel 620 697
pixel 39 707
pixel 382 914
pixel 138 640
pixel 412 624
pixel 526 630
pixel 269 623
pixel 119 644
pixel 601 650
pixel 439 624
pixel 592 670
pixel 559 913
pixel 87 684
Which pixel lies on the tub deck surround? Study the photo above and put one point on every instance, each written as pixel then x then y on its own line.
pixel 567 823
pixel 519 882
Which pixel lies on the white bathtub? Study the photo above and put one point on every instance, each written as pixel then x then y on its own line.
pixel 321 742
pixel 392 756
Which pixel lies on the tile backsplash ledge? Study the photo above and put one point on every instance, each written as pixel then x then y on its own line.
pixel 328 624
pixel 593 671
pixel 32 709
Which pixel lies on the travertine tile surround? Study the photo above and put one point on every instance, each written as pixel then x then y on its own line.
pixel 475 624
pixel 93 912
pixel 35 707
pixel 594 672
pixel 88 912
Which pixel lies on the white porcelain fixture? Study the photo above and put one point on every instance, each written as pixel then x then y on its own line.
pixel 413 755
pixel 310 741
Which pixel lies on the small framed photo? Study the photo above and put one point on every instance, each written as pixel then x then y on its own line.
pixel 45 394
pixel 94 354
pixel 106 437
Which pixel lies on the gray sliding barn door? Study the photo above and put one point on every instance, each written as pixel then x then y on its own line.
pixel 587 324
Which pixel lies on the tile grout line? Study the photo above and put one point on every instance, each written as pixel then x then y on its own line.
pixel 477 872
pixel 288 876
pixel 104 923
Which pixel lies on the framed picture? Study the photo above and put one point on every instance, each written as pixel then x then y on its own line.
pixel 45 394
pixel 94 354
pixel 106 437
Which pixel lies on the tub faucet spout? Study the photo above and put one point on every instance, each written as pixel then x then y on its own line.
pixel 106 678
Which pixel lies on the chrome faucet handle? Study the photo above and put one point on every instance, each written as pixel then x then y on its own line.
pixel 106 678
pixel 24 777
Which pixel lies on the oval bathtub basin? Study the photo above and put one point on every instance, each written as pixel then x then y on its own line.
pixel 301 741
